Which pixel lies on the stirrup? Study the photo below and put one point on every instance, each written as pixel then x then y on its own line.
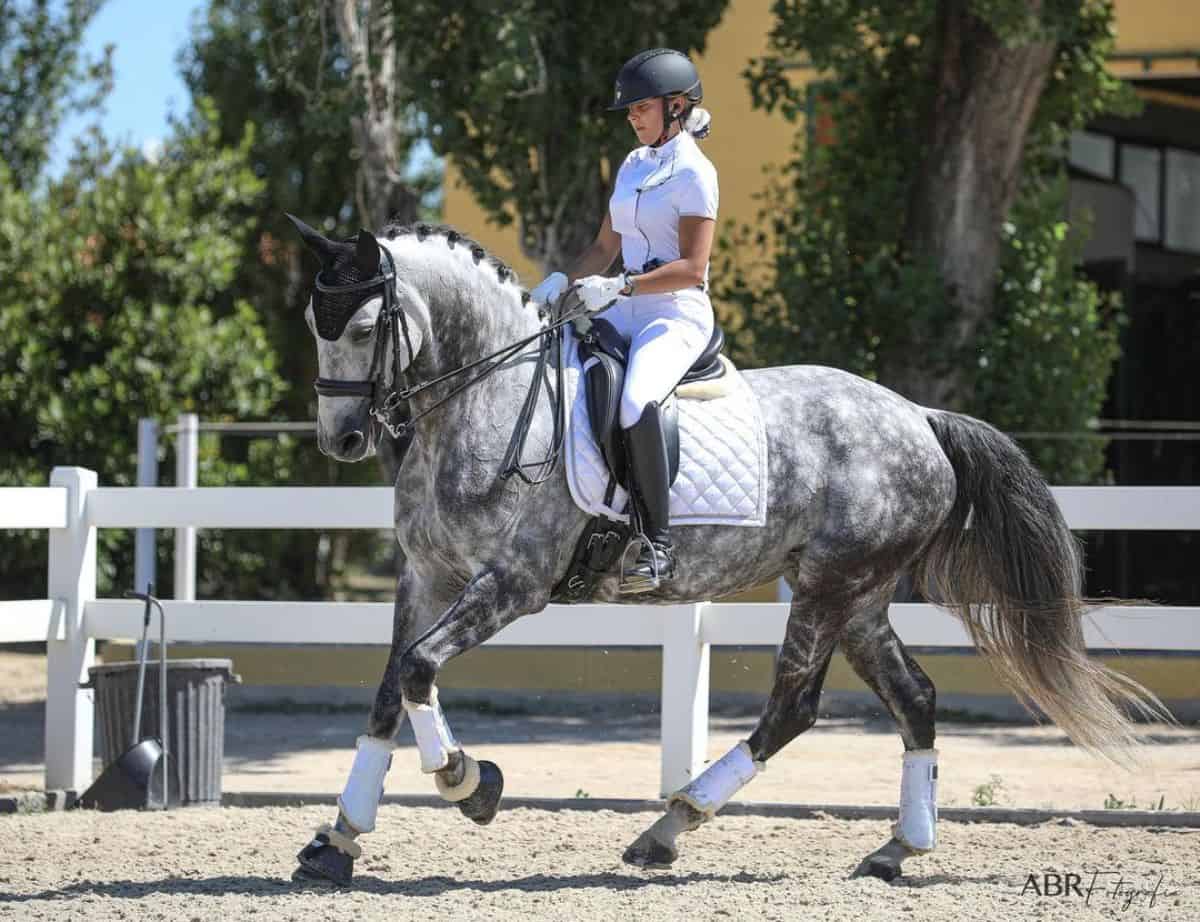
pixel 635 579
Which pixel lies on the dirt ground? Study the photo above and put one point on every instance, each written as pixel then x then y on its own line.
pixel 431 864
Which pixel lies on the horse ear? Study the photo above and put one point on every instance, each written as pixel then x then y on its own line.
pixel 321 246
pixel 366 253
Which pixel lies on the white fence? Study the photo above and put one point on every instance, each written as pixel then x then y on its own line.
pixel 72 618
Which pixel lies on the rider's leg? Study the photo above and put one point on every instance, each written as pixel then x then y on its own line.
pixel 649 466
pixel 660 354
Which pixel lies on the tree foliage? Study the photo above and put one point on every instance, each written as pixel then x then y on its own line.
pixel 119 303
pixel 835 272
pixel 277 66
pixel 43 78
pixel 516 95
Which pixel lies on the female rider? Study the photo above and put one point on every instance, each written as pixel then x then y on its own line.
pixel 661 218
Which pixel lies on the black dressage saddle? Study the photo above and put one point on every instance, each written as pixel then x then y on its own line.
pixel 604 380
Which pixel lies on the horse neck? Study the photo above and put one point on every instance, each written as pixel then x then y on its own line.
pixel 469 319
pixel 475 322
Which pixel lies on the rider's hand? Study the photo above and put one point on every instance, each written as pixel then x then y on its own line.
pixel 598 291
pixel 550 289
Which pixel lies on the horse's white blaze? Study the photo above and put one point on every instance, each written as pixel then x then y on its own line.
pixel 917 825
pixel 434 739
pixel 720 781
pixel 364 788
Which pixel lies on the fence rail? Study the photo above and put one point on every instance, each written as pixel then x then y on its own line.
pixel 72 619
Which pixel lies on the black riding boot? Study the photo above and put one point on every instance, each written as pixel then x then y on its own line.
pixel 649 471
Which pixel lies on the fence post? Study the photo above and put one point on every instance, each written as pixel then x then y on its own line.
pixel 187 465
pixel 684 697
pixel 69 650
pixel 144 562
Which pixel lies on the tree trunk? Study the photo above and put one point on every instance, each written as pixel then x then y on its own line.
pixel 382 195
pixel 984 98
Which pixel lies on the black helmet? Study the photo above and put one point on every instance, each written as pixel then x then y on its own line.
pixel 653 73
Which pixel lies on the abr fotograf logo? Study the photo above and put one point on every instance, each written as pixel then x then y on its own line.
pixel 1096 886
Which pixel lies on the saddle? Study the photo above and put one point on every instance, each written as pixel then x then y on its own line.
pixel 604 380
pixel 603 540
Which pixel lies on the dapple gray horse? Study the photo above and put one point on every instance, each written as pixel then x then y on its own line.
pixel 863 485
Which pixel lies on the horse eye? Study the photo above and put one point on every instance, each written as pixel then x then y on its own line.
pixel 361 334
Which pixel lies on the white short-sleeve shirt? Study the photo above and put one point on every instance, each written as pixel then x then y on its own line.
pixel 655 187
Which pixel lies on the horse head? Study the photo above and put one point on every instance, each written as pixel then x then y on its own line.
pixel 378 306
pixel 357 362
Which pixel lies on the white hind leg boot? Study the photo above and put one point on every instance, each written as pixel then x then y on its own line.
pixel 720 781
pixel 917 825
pixel 364 788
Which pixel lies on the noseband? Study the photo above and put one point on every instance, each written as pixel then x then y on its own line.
pixel 391 409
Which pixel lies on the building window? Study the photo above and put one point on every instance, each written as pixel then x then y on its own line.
pixel 1093 153
pixel 1183 201
pixel 1141 171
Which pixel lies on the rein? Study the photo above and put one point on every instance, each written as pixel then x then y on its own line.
pixel 392 323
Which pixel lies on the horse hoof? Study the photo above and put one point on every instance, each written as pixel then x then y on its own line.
pixel 483 805
pixel 648 852
pixel 321 863
pixel 885 867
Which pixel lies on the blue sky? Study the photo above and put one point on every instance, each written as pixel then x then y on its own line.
pixel 147 35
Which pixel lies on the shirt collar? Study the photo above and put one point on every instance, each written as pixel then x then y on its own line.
pixel 666 149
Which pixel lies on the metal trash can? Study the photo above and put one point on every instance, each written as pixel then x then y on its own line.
pixel 195 720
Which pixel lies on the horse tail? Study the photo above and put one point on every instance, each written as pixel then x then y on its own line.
pixel 1014 579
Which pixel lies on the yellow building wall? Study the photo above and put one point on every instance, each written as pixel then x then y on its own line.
pixel 1158 25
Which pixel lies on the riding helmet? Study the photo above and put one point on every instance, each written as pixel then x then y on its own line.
pixel 653 73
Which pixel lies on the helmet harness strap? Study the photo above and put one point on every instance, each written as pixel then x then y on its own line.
pixel 668 116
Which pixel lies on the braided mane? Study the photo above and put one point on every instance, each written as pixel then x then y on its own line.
pixel 453 238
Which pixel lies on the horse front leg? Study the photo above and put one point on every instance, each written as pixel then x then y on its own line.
pixel 408 689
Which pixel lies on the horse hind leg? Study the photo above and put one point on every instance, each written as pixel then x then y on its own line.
pixel 879 658
pixel 814 624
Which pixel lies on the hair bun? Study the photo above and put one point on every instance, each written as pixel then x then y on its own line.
pixel 699 123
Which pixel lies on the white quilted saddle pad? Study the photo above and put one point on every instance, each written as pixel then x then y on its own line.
pixel 722 456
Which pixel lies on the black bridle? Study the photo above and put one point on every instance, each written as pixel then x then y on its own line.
pixel 391 409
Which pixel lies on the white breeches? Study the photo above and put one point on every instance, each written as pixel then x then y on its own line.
pixel 668 333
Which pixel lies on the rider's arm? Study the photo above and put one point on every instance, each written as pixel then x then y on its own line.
pixel 600 253
pixel 695 244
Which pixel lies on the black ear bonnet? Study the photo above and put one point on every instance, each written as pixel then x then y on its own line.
pixel 350 266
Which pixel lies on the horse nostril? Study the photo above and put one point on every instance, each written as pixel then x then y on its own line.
pixel 352 442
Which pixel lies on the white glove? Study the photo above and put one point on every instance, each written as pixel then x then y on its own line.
pixel 550 289
pixel 599 291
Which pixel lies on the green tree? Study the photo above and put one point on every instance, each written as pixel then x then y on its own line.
pixel 43 78
pixel 516 96
pixel 118 303
pixel 335 139
pixel 921 241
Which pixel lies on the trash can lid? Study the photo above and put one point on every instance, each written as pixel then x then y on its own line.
pixel 213 665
